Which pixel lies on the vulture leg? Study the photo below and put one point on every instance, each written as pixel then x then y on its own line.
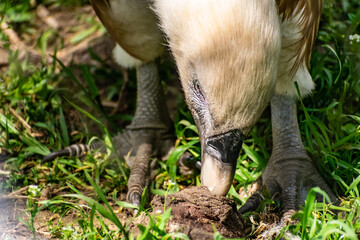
pixel 290 173
pixel 149 136
pixel 150 133
pixel 133 26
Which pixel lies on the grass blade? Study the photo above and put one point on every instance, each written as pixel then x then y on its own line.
pixel 112 216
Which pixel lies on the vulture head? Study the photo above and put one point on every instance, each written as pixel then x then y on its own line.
pixel 227 57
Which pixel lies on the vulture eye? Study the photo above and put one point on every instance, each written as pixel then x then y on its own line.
pixel 197 89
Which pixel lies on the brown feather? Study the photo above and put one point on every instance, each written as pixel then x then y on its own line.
pixel 102 10
pixel 309 24
pixel 136 30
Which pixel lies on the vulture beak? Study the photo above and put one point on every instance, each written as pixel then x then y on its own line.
pixel 219 158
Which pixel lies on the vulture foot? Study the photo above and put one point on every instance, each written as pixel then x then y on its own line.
pixel 290 173
pixel 146 146
pixel 140 148
pixel 150 131
pixel 288 180
pixel 186 164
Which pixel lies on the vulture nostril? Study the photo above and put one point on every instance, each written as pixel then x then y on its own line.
pixel 213 151
pixel 225 147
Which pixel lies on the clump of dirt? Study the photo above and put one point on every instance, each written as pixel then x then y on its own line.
pixel 195 210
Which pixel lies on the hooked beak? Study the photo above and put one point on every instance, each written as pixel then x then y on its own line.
pixel 220 155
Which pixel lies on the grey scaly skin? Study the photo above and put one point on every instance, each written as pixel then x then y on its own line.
pixel 150 134
pixel 290 173
pixel 150 130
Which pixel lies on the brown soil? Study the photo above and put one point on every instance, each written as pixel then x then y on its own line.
pixel 13 214
pixel 10 227
pixel 195 212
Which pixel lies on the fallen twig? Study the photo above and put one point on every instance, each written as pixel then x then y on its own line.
pixel 14 197
pixel 25 124
pixel 22 121
pixel 17 45
pixel 44 15
pixel 2 172
pixel 65 54
pixel 14 39
pixel 16 194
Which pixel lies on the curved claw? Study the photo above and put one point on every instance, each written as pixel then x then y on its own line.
pixel 136 199
pixel 290 173
pixel 187 165
pixel 252 203
pixel 139 173
pixel 75 150
pixel 53 155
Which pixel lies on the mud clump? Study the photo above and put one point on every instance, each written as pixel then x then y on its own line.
pixel 195 211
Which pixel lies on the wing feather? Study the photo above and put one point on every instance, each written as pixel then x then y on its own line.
pixel 133 26
pixel 310 13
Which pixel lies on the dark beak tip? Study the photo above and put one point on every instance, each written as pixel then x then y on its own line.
pixel 219 159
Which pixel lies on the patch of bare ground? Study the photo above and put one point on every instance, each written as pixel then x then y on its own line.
pixel 11 210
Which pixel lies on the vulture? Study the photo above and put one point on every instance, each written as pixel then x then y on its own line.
pixel 234 57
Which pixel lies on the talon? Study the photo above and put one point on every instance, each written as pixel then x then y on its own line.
pixel 187 165
pixel 77 150
pixel 286 218
pixel 252 203
pixel 198 165
pixel 136 199
pixel 148 136
pixel 186 158
pixel 53 155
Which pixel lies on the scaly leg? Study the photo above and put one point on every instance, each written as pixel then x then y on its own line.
pixel 150 132
pixel 150 135
pixel 290 173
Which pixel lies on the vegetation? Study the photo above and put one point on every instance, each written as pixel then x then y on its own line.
pixel 40 113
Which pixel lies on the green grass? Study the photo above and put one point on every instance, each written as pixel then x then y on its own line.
pixel 329 122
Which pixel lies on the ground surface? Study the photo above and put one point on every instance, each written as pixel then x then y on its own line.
pixel 194 211
pixel 14 211
pixel 10 227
